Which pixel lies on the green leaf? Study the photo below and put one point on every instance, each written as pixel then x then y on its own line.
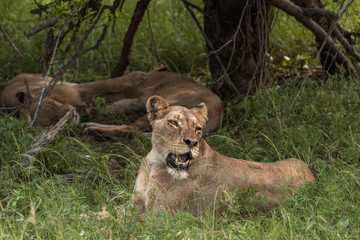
pixel 74 20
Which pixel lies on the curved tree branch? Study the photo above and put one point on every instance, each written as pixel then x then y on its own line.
pixel 11 43
pixel 42 26
pixel 318 31
pixel 140 9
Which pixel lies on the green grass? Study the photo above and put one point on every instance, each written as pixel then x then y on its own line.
pixel 322 128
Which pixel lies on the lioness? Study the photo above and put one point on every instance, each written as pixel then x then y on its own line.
pixel 182 172
pixel 127 93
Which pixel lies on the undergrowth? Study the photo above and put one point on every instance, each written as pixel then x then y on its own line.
pixel 321 128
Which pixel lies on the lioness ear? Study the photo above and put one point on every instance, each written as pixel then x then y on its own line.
pixel 201 112
pixel 156 108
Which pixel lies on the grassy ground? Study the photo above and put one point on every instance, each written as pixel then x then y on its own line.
pixel 322 128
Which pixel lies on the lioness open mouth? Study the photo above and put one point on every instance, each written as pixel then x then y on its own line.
pixel 178 161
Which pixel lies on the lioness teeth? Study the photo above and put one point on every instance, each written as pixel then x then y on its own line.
pixel 181 161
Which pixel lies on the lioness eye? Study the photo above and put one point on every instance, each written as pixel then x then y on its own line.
pixel 174 123
pixel 198 129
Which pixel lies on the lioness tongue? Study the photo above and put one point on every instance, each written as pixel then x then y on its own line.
pixel 183 157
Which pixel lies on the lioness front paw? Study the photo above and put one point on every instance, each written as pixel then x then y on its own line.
pixel 107 132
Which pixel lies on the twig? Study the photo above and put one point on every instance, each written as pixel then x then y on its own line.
pixel 49 48
pixel 14 111
pixel 11 108
pixel 42 140
pixel 11 43
pixel 80 50
pixel 227 78
pixel 196 7
pixel 153 39
pixel 345 9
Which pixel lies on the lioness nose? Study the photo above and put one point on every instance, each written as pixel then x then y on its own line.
pixel 191 143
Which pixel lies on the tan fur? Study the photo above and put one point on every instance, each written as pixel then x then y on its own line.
pixel 159 187
pixel 128 93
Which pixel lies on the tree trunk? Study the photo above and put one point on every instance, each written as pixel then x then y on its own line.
pixel 239 34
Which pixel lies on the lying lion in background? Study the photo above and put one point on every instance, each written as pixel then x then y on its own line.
pixel 182 172
pixel 127 93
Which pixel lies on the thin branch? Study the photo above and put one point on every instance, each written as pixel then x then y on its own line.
pixel 11 43
pixel 14 110
pixel 73 37
pixel 98 42
pixel 48 86
pixel 117 3
pixel 45 86
pixel 11 108
pixel 344 9
pixel 80 50
pixel 42 26
pixel 196 7
pixel 153 39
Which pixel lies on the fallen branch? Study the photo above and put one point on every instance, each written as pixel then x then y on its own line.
pixel 11 43
pixel 42 140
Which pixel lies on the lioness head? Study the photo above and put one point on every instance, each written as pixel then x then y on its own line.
pixel 176 136
pixel 50 111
